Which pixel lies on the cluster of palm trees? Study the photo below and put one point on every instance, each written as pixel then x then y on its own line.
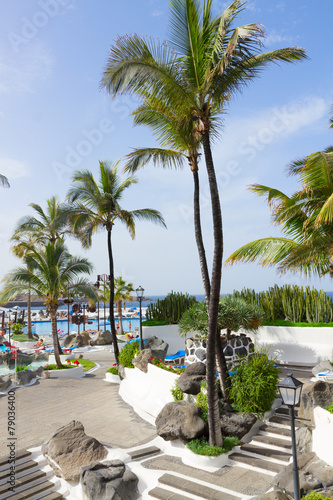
pixel 48 269
pixel 185 85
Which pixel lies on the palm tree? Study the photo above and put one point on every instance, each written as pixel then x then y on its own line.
pixel 4 181
pixel 97 206
pixel 46 226
pixel 212 60
pixel 305 217
pixel 122 292
pixel 47 273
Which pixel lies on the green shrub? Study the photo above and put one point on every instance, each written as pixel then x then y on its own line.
pixel 177 393
pixel 254 384
pixel 128 353
pixel 329 408
pixel 22 368
pixel 16 328
pixel 315 496
pixel 113 370
pixel 202 404
pixel 201 446
pixel 56 367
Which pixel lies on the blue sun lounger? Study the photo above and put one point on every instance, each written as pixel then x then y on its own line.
pixel 176 359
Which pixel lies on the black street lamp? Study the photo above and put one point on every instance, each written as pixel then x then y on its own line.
pixel 139 294
pixel 290 389
pixel 102 278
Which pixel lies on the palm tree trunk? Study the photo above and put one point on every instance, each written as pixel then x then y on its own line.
pixel 120 316
pixel 53 315
pixel 29 328
pixel 111 271
pixel 225 381
pixel 199 239
pixel 215 435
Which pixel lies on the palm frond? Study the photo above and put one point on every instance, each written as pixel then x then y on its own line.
pixel 140 157
pixel 265 251
pixel 4 181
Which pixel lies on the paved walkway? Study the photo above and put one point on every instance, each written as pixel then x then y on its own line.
pixel 51 403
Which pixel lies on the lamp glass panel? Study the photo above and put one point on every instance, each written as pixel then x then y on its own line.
pixel 298 394
pixel 288 395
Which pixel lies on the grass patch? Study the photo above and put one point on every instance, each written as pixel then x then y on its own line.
pixel 87 365
pixel 22 337
pixel 154 322
pixel 201 446
pixel 56 367
pixel 281 322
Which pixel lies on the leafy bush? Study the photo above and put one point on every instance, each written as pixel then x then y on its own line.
pixel 201 446
pixel 17 328
pixel 171 308
pixel 128 353
pixel 254 384
pixel 169 368
pixel 315 496
pixel 113 370
pixel 22 368
pixel 202 404
pixel 329 408
pixel 177 393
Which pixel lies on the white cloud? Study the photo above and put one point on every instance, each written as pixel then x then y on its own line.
pixel 19 73
pixel 157 13
pixel 275 38
pixel 13 169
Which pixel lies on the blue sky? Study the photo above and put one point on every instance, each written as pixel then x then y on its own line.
pixel 54 118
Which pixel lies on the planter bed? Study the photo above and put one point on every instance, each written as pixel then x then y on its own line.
pixel 110 377
pixel 76 372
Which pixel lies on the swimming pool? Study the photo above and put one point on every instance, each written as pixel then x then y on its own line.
pixel 44 327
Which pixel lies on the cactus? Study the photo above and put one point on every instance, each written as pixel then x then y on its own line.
pixel 170 308
pixel 291 303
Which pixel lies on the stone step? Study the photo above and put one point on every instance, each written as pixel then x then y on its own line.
pixel 144 452
pixel 274 429
pixel 30 492
pixel 24 482
pixel 283 410
pixel 284 456
pixel 163 494
pixel 272 441
pixel 256 462
pixel 194 488
pixel 52 496
pixel 19 456
pixel 283 420
pixel 21 469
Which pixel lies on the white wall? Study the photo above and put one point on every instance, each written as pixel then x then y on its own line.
pixel 168 333
pixel 322 435
pixel 296 345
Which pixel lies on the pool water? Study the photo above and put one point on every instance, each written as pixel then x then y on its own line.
pixel 34 365
pixel 44 327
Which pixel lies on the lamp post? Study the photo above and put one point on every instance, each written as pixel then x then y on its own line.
pixel 9 312
pixel 290 389
pixel 102 278
pixel 139 294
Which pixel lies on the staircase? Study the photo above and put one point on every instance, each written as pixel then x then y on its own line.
pixel 255 462
pixel 33 480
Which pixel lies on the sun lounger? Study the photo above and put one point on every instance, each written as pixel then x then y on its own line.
pixel 326 376
pixel 176 359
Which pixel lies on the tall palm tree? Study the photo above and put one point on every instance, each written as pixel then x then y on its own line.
pixel 212 60
pixel 47 226
pixel 96 206
pixel 4 181
pixel 122 292
pixel 47 273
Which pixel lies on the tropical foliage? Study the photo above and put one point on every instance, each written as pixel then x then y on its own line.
pixel 291 303
pixel 171 308
pixel 96 206
pixel 122 293
pixel 4 181
pixel 46 273
pixel 208 60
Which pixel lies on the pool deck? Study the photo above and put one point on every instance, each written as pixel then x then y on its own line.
pixel 51 403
